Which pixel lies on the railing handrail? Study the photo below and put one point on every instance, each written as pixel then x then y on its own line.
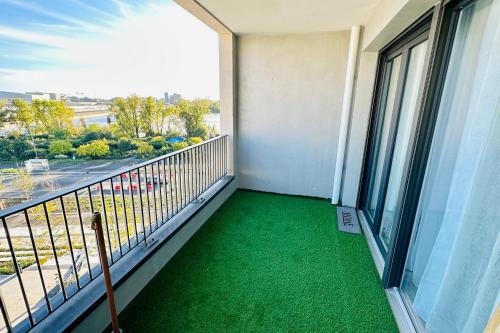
pixel 87 183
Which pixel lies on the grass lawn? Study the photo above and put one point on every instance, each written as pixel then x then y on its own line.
pixel 266 263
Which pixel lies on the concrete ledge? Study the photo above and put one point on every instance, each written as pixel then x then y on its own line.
pixel 88 311
pixel 398 308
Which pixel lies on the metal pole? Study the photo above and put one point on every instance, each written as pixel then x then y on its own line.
pixel 97 226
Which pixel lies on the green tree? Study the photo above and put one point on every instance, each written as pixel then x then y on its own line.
pixel 215 107
pixel 51 116
pixel 148 110
pixel 4 113
pixel 21 115
pixel 19 148
pixel 60 147
pixel 94 149
pixel 144 148
pixel 192 115
pixel 127 113
pixel 194 140
pixel 179 145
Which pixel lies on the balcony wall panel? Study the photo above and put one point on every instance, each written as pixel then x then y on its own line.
pixel 290 98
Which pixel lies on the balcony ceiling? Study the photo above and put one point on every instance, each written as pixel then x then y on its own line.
pixel 290 16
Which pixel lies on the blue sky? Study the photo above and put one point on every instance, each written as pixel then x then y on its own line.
pixel 106 48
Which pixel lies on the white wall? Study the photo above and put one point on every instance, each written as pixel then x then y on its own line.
pixel 390 18
pixel 289 103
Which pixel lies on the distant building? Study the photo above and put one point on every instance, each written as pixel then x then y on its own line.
pixel 9 96
pixel 172 99
pixel 175 98
pixel 39 96
pixel 56 96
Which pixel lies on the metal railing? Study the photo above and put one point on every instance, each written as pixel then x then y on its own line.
pixel 48 244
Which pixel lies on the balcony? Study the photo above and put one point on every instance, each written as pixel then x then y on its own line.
pixel 266 262
pixel 55 271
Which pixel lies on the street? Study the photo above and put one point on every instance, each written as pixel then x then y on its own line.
pixel 60 175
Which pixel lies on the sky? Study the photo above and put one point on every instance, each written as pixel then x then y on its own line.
pixel 106 48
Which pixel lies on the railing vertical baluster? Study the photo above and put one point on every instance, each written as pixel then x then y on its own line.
pixel 18 272
pixel 103 202
pixel 92 210
pixel 160 197
pixel 84 238
pixel 131 195
pixel 54 250
pixel 165 189
pixel 184 163
pixel 202 168
pixel 222 157
pixel 186 176
pixel 219 162
pixel 216 159
pixel 124 206
pixel 172 211
pixel 191 174
pixel 113 203
pixel 197 172
pixel 154 194
pixel 147 199
pixel 70 244
pixel 215 165
pixel 178 194
pixel 207 167
pixel 225 155
pixel 38 265
pixel 211 163
pixel 140 203
pixel 181 183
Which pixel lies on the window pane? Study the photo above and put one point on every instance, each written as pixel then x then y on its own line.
pixel 386 111
pixel 451 278
pixel 408 109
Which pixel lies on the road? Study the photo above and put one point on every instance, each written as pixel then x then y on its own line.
pixel 62 173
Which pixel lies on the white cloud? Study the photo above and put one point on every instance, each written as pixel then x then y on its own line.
pixel 161 49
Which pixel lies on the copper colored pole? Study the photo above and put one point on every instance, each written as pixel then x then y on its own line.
pixel 97 226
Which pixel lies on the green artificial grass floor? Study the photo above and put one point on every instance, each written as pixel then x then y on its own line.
pixel 266 263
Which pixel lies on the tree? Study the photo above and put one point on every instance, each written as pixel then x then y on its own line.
pixel 179 145
pixel 4 114
pixel 95 149
pixel 144 148
pixel 51 116
pixel 148 110
pixel 19 148
pixel 21 115
pixel 215 107
pixel 25 183
pixel 192 115
pixel 127 113
pixel 60 147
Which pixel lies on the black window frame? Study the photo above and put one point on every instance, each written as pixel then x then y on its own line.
pixel 448 13
pixel 412 36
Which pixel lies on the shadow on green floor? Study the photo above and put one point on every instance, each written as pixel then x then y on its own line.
pixel 266 263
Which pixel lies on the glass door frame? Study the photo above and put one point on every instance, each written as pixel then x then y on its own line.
pixel 447 15
pixel 414 35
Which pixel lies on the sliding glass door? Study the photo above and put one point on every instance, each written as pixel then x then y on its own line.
pixel 451 280
pixel 391 75
pixel 392 131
